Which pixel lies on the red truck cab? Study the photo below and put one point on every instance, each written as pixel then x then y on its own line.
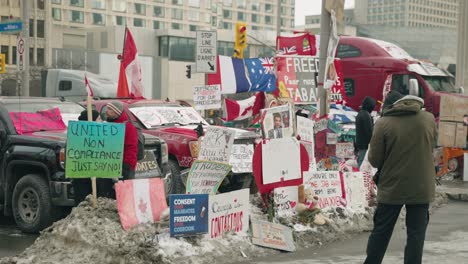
pixel 373 67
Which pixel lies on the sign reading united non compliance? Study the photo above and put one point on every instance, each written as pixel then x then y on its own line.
pixel 94 150
pixel 205 61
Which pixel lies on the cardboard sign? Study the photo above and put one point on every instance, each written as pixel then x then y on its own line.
pixel 355 190
pixel 94 149
pixel 147 167
pixel 241 158
pixel 153 116
pixel 216 144
pixel 305 129
pixel 277 122
pixel 452 134
pixel 207 97
pixel 327 186
pixel 26 122
pixel 332 139
pixel 281 160
pixel 206 176
pixel 286 199
pixel 229 212
pixel 271 235
pixel 453 121
pixel 188 214
pixel 345 150
pixel 453 108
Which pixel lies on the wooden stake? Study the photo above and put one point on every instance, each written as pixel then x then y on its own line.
pixel 93 179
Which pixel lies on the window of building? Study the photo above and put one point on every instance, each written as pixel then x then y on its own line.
pixel 227 14
pixel 214 21
pixel 255 6
pixel 254 18
pixel 31 27
pixel 4 50
pixel 40 28
pixel 140 9
pixel 207 18
pixel 265 51
pixel 256 28
pixel 177 14
pixel 119 5
pixel 241 16
pixel 227 3
pixel 182 49
pixel 292 11
pixel 98 4
pixel 40 56
pixel 98 19
pixel 158 25
pixel 79 3
pixel 193 28
pixel 138 22
pixel 40 4
pixel 56 2
pixel 194 3
pixel 176 26
pixel 76 16
pixel 268 20
pixel 283 10
pixel 164 46
pixel 193 15
pixel 120 21
pixel 241 4
pixel 158 11
pixel 269 8
pixel 13 55
pixel 177 2
pixel 283 22
pixel 227 25
pixel 57 14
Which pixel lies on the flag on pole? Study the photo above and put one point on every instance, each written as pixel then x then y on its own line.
pixel 122 88
pixel 132 66
pixel 231 75
pixel 89 90
pixel 140 201
pixel 243 109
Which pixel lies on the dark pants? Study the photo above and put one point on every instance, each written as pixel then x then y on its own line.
pixel 385 217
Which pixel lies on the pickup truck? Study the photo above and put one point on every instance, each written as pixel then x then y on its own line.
pixel 33 186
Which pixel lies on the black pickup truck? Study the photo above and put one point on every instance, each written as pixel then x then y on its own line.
pixel 33 186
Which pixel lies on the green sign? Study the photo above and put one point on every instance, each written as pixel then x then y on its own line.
pixel 94 149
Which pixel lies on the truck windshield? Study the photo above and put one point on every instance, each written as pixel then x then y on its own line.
pixel 152 116
pixel 440 83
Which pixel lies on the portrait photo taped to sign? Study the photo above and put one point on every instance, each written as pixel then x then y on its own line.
pixel 277 122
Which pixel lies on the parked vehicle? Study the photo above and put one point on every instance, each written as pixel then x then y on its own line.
pixel 176 124
pixel 33 186
pixel 372 66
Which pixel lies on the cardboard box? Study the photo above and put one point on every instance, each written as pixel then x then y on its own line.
pixel 452 134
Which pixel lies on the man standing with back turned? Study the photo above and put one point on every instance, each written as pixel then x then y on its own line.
pixel 402 145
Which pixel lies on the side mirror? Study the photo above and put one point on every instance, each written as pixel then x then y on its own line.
pixel 413 87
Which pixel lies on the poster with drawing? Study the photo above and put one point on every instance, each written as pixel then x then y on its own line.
pixel 216 144
pixel 277 122
pixel 285 199
pixel 281 160
pixel 355 190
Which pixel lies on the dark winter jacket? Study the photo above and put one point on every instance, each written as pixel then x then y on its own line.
pixel 402 146
pixel 130 142
pixel 364 123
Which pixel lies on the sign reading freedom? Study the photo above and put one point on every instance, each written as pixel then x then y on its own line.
pixel 94 150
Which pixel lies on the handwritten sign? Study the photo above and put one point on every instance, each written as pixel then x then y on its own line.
pixel 229 212
pixel 207 97
pixel 188 214
pixel 320 125
pixel 216 144
pixel 281 160
pixel 305 128
pixel 153 116
pixel 286 199
pixel 26 122
pixel 327 186
pixel 94 149
pixel 355 190
pixel 147 167
pixel 271 235
pixel 332 138
pixel 206 176
pixel 345 150
pixel 241 158
pixel 297 78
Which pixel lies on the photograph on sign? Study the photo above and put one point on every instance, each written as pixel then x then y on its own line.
pixel 207 97
pixel 206 51
pixel 277 122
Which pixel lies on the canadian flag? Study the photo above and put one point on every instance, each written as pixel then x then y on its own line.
pixel 89 90
pixel 140 201
pixel 132 67
pixel 242 109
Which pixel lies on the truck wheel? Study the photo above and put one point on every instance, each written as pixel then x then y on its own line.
pixel 173 183
pixel 32 208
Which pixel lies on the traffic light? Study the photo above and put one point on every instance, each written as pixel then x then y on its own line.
pixel 188 73
pixel 238 53
pixel 241 35
pixel 2 63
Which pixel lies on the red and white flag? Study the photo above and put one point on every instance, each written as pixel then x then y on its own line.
pixel 140 201
pixel 242 109
pixel 89 90
pixel 132 66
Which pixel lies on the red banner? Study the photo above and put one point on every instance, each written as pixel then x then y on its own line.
pixel 338 94
pixel 300 44
pixel 25 122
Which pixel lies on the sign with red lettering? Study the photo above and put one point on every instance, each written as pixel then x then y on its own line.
pixel 26 122
pixel 271 235
pixel 327 185
pixel 229 212
pixel 286 199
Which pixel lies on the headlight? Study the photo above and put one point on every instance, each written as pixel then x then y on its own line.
pixel 62 158
pixel 164 153
pixel 194 148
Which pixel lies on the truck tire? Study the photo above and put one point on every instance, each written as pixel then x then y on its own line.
pixel 32 207
pixel 173 183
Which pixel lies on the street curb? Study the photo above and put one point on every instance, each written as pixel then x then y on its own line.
pixel 458 197
pixel 457 194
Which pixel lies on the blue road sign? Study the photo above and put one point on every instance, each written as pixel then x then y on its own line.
pixel 11 26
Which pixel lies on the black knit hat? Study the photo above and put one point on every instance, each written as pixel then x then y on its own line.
pixel 391 98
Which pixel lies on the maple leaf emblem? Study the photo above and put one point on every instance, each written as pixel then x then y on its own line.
pixel 142 206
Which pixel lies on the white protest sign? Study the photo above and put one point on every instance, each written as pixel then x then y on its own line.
pixel 216 144
pixel 345 150
pixel 286 199
pixel 229 212
pixel 152 116
pixel 206 176
pixel 272 235
pixel 241 157
pixel 332 138
pixel 327 186
pixel 281 160
pixel 207 97
pixel 355 190
pixel 305 128
pixel 205 59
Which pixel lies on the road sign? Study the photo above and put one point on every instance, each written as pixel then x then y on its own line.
pixel 20 53
pixel 10 27
pixel 207 48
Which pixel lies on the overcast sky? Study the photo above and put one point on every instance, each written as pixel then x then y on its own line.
pixel 312 7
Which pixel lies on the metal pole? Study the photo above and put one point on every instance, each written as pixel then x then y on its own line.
pixel 324 37
pixel 461 47
pixel 25 18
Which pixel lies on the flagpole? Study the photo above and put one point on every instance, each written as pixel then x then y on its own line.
pixel 123 46
pixel 90 118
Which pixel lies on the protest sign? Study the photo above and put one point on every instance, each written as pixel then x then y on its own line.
pixel 345 150
pixel 229 212
pixel 147 167
pixel 205 176
pixel 309 146
pixel 188 214
pixel 285 199
pixel 332 138
pixel 320 125
pixel 152 116
pixel 305 128
pixel 281 160
pixel 330 75
pixel 277 122
pixel 327 186
pixel 271 235
pixel 241 158
pixel 216 144
pixel 26 122
pixel 452 128
pixel 94 149
pixel 355 190
pixel 207 97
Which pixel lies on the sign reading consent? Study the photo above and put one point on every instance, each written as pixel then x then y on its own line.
pixel 94 149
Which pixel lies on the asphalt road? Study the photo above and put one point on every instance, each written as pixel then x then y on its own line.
pixel 446 242
pixel 12 241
